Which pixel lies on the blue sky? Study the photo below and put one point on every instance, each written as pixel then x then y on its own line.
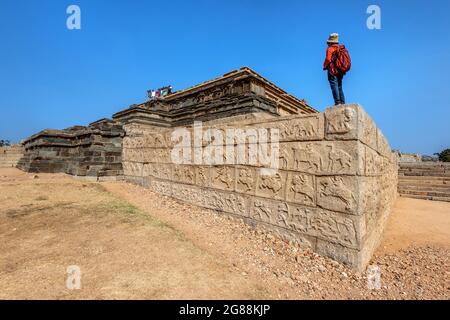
pixel 52 77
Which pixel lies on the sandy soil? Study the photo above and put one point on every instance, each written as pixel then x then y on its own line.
pixel 131 243
pixel 418 223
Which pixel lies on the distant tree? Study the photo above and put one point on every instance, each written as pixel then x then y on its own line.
pixel 4 143
pixel 444 155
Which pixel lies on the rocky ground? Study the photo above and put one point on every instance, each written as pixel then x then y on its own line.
pixel 416 271
pixel 133 243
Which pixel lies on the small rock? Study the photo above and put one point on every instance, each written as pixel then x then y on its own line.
pixel 270 237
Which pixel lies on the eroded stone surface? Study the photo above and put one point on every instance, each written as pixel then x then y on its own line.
pixel 332 187
pixel 10 155
pixel 333 190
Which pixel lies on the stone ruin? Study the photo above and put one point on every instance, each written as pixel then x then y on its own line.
pixel 10 155
pixel 408 157
pixel 333 190
pixel 94 151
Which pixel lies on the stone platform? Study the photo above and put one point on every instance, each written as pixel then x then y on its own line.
pixel 425 180
pixel 10 155
pixel 331 189
pixel 94 151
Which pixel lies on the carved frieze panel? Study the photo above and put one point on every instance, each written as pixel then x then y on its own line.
pixel 127 142
pixel 162 187
pixel 272 185
pixel 246 178
pixel 334 228
pixel 157 155
pixel 203 176
pixel 267 211
pixel 341 122
pixel 223 177
pixel 301 188
pixel 134 169
pixel 190 194
pixel 183 174
pixel 227 202
pixel 302 129
pixel 324 157
pixel 314 222
pixel 338 193
pixel 158 170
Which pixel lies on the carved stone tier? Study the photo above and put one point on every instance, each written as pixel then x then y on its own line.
pixel 238 92
pixel 94 151
pixel 333 190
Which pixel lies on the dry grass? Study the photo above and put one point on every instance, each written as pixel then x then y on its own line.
pixel 131 243
pixel 49 223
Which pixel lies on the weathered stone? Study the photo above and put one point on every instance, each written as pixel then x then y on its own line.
pixel 338 193
pixel 330 186
pixel 82 151
pixel 10 155
pixel 333 193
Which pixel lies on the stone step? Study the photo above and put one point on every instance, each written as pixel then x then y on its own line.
pixel 423 177
pixel 420 169
pixel 425 165
pixel 438 183
pixel 446 199
pixel 441 188
pixel 429 193
pixel 423 170
pixel 430 168
pixel 422 173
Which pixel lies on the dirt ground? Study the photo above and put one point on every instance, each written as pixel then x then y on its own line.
pixel 131 243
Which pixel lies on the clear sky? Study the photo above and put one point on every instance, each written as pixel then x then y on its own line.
pixel 52 77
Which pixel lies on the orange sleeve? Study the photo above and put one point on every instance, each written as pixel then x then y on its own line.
pixel 328 57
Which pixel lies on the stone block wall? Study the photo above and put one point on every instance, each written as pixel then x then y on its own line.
pixel 10 155
pixel 408 157
pixel 94 151
pixel 333 190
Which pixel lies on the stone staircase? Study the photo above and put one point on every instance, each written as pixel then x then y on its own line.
pixel 10 156
pixel 424 180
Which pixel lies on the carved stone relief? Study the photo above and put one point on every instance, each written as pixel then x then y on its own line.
pixel 342 122
pixel 223 177
pixel 331 157
pixel 272 185
pixel 337 193
pixel 246 180
pixel 302 129
pixel 301 189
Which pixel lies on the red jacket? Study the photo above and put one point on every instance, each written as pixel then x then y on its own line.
pixel 330 51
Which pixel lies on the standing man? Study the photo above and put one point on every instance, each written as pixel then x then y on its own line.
pixel 337 63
